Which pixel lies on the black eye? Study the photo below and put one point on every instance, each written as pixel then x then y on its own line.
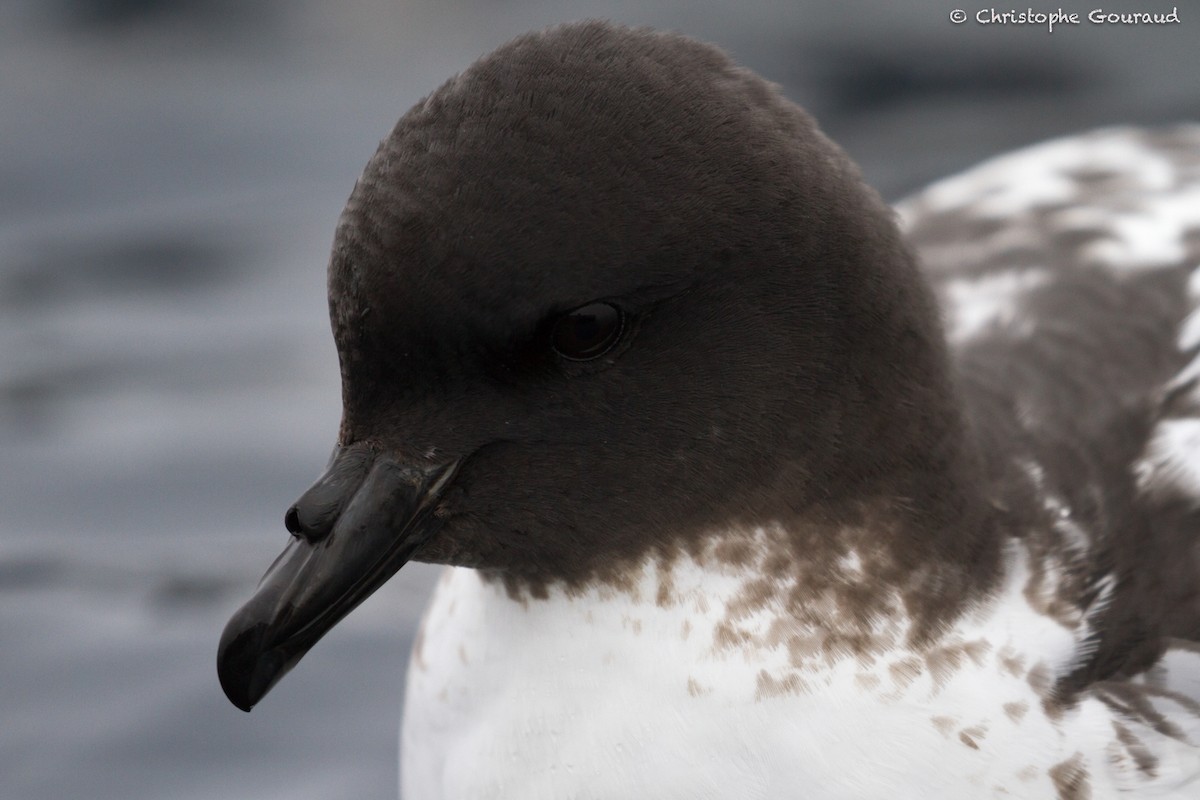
pixel 588 332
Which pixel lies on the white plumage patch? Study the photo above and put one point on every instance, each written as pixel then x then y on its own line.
pixel 975 304
pixel 615 693
pixel 1171 461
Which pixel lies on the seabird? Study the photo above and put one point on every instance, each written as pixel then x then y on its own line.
pixel 750 486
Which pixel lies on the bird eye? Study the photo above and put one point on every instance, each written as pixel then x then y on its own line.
pixel 588 332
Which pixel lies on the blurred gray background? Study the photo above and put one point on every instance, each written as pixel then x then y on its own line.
pixel 170 174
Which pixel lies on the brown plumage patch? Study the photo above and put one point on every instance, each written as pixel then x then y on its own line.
pixel 943 662
pixel 1070 779
pixel 905 671
pixel 1016 711
pixel 1146 761
pixel 767 686
pixel 867 682
pixel 972 736
pixel 1133 702
pixel 833 592
pixel 727 637
pixel 665 596
pixel 1011 661
pixel 1040 679
pixel 944 725
pixel 736 552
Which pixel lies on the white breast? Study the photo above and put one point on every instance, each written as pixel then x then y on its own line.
pixel 663 690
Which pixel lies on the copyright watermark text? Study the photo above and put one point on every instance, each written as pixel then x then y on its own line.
pixel 1049 19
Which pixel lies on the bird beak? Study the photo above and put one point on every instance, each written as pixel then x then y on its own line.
pixel 354 529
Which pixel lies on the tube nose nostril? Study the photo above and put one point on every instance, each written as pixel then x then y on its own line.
pixel 314 514
pixel 291 521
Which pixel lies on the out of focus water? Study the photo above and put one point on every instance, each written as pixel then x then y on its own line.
pixel 170 173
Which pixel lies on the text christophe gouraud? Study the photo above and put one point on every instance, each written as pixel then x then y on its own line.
pixel 1049 19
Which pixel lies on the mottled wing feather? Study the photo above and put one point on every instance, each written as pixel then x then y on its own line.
pixel 1155 750
pixel 1068 274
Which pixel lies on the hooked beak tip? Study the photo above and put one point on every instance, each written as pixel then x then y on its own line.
pixel 246 669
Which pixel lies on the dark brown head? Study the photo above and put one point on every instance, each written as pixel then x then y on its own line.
pixel 629 296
